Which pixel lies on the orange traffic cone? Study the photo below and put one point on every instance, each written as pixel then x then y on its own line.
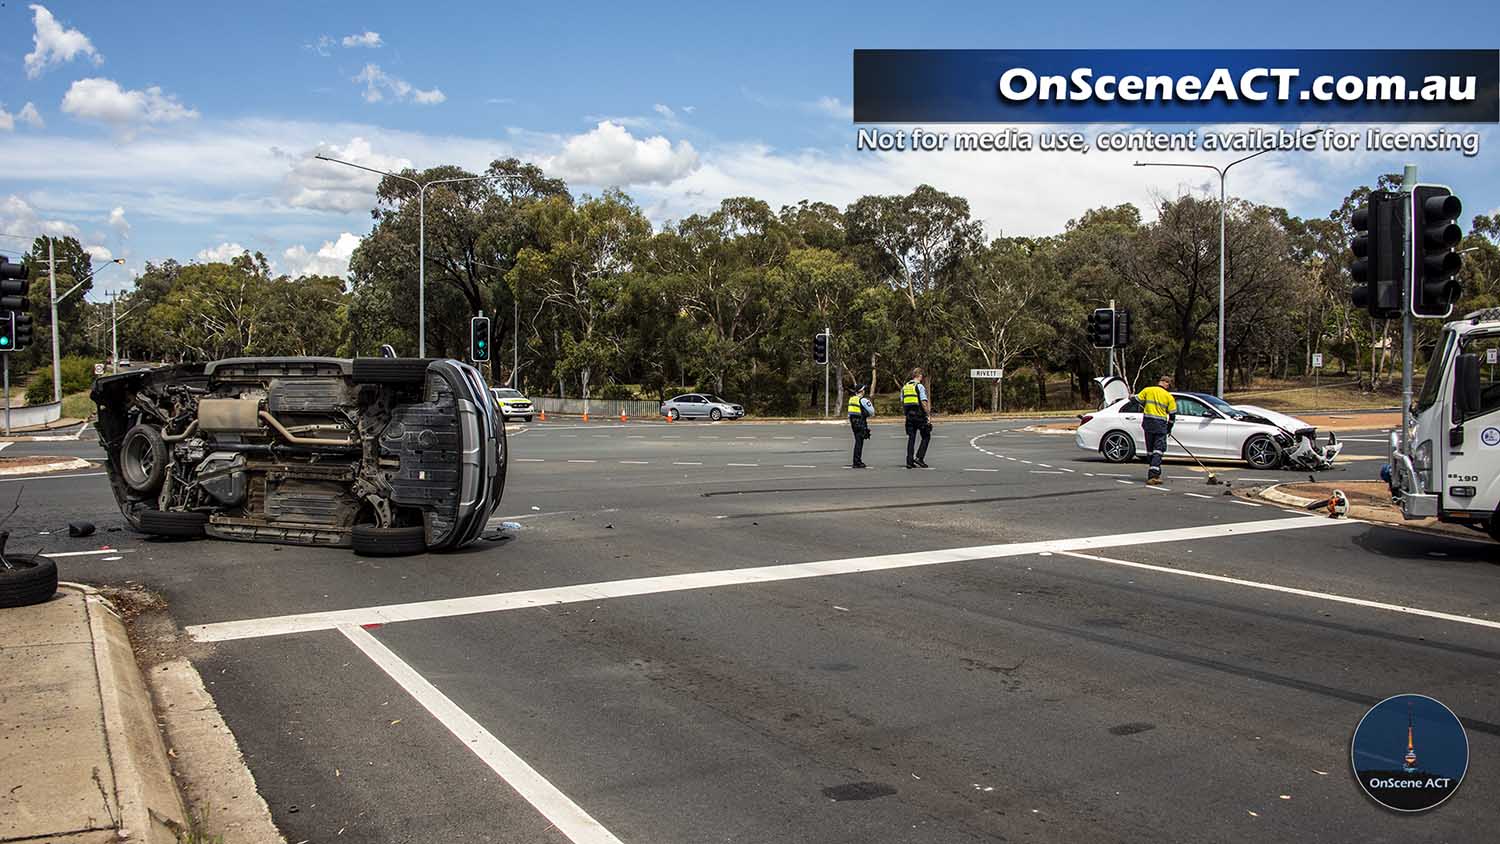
pixel 543 417
pixel 622 416
pixel 585 416
pixel 669 418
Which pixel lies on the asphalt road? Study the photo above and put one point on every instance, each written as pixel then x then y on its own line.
pixel 724 634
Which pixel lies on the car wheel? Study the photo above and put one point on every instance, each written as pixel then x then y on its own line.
pixel 716 414
pixel 173 523
pixel 1261 452
pixel 1117 447
pixel 30 579
pixel 143 459
pixel 371 541
pixel 525 418
pixel 390 370
pixel 672 414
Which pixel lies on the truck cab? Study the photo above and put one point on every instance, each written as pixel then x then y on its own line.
pixel 1448 464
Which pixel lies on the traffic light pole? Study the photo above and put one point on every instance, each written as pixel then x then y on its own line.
pixel 1111 348
pixel 827 356
pixel 52 301
pixel 7 395
pixel 1408 184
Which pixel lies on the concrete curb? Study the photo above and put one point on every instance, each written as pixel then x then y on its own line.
pixel 1363 513
pixel 150 805
pixel 61 464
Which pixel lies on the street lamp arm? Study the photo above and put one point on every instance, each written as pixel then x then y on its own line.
pixel 321 157
pixel 1177 164
pixel 92 273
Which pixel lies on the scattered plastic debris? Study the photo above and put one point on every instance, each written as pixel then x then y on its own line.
pixel 80 528
pixel 510 525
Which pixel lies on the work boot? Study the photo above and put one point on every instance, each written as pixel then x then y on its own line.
pixel 922 465
pixel 1153 482
pixel 910 465
pixel 859 466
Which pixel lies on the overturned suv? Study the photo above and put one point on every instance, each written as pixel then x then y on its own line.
pixel 382 455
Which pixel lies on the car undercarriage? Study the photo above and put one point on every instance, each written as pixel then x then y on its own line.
pixel 384 455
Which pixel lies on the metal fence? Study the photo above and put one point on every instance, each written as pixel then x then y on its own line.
pixel 598 407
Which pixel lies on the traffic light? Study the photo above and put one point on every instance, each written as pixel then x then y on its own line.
pixel 1122 327
pixel 1377 269
pixel 22 330
pixel 820 349
pixel 1101 326
pixel 13 286
pixel 7 331
pixel 479 339
pixel 1434 260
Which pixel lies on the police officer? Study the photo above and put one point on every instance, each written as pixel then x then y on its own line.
pixel 1159 411
pixel 860 410
pixel 916 406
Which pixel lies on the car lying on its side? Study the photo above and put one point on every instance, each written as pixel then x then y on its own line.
pixel 387 456
pixel 700 406
pixel 513 404
pixel 1209 427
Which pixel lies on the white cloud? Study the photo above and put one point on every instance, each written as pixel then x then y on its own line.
pixel 30 116
pixel 55 45
pixel 19 219
pixel 364 39
pixel 664 111
pixel 326 186
pixel 118 223
pixel 378 83
pixel 833 107
pixel 104 100
pixel 610 156
pixel 321 45
pixel 220 254
pixel 332 258
pixel 99 252
pixel 7 120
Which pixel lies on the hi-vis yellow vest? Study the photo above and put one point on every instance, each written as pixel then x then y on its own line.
pixel 855 408
pixel 909 394
pixel 1157 402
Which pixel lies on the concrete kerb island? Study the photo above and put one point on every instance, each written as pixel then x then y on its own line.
pixel 81 756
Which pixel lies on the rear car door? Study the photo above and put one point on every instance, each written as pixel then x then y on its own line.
pixel 1199 428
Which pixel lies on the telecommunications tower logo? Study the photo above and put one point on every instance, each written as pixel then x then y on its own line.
pixel 1410 753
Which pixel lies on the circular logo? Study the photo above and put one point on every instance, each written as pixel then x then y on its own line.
pixel 1409 753
pixel 1490 436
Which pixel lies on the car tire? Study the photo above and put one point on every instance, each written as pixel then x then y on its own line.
pixel 715 414
pixel 32 580
pixel 526 418
pixel 390 370
pixel 1117 447
pixel 371 541
pixel 1261 452
pixel 143 459
pixel 173 523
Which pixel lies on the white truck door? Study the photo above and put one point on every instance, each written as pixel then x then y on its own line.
pixel 1471 461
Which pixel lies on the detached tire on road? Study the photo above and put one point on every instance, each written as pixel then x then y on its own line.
pixel 173 524
pixel 390 370
pixel 30 579
pixel 371 541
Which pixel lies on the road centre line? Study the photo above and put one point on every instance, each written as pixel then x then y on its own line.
pixel 497 602
pixel 531 460
pixel 1197 495
pixel 569 818
pixel 685 463
pixel 637 462
pixel 1045 472
pixel 750 465
pixel 1290 590
pixel 89 553
pixel 797 466
pixel 981 470
pixel 583 461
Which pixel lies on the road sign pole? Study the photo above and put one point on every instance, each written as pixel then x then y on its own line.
pixel 7 395
pixel 1408 182
pixel 52 301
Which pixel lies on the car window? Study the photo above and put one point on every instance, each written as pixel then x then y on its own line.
pixel 1489 373
pixel 1131 405
pixel 1193 407
pixel 508 393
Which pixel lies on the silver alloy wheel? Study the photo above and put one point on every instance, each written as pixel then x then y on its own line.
pixel 1261 452
pixel 1116 447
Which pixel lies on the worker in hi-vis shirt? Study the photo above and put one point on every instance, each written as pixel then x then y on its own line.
pixel 916 406
pixel 1158 412
pixel 860 411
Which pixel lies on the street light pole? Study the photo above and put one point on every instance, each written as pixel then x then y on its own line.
pixel 421 235
pixel 53 300
pixel 1223 173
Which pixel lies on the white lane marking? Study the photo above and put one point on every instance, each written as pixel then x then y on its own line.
pixel 797 466
pixel 569 818
pixel 568 436
pixel 1259 480
pixel 90 553
pixel 1246 503
pixel 686 463
pixel 822 438
pixel 1291 590
pixel 1197 495
pixel 635 436
pixel 4 446
pixel 1011 459
pixel 583 461
pixel 783 438
pixel 981 470
pixel 1112 475
pixel 637 462
pixel 1159 488
pixel 448 607
pixel 1066 469
pixel 751 465
pixel 1027 462
pixel 1088 474
pixel 50 477
pixel 600 436
pixel 531 460
pixel 1045 472
pixel 744 438
pixel 1119 481
pixel 1045 465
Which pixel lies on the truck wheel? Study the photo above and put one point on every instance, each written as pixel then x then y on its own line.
pixel 371 541
pixel 173 523
pixel 1261 452
pixel 1117 447
pixel 30 579
pixel 143 459
pixel 390 370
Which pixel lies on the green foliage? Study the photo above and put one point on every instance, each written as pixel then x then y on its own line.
pixel 77 377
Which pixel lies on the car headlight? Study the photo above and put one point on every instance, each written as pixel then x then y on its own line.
pixel 1421 463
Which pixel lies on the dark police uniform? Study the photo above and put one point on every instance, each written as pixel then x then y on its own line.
pixel 861 427
pixel 916 422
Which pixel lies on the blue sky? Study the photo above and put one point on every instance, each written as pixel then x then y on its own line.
pixel 162 129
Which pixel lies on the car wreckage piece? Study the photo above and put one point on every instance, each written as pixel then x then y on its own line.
pixel 383 455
